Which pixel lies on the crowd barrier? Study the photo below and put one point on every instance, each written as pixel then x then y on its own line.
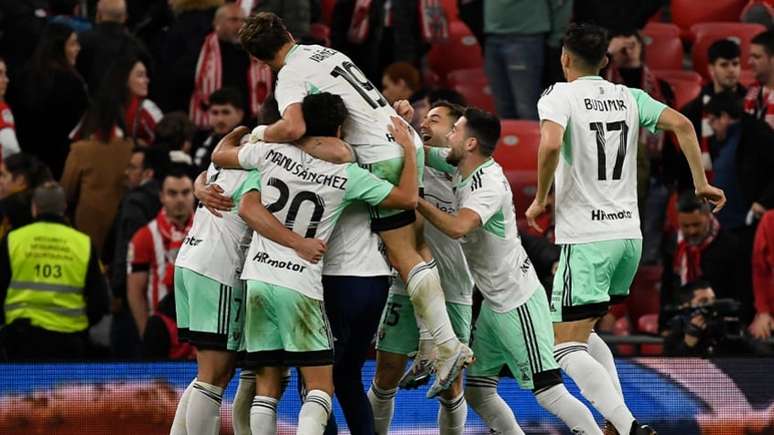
pixel 682 396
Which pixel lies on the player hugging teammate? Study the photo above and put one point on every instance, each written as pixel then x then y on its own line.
pixel 314 192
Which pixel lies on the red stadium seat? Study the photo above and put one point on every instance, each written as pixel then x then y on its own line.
pixel 686 13
pixel 327 11
pixel 663 50
pixel 684 90
pixel 467 76
pixel 450 7
pixel 644 293
pixel 460 52
pixel 708 33
pixel 747 78
pixel 663 29
pixel 477 94
pixel 678 74
pixel 516 152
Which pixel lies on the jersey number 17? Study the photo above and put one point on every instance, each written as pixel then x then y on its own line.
pixel 599 129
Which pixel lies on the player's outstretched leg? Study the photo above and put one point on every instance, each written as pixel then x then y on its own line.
pixel 554 397
pixel 481 394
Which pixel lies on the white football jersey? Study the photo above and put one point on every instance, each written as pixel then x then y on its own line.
pixel 311 69
pixel 596 181
pixel 307 195
pixel 215 246
pixel 355 250
pixel 498 262
pixel 452 267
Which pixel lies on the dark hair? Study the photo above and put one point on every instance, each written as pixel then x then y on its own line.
pixel 28 166
pixel 107 108
pixel 723 48
pixel 455 110
pixel 63 7
pixel 155 159
pixel 263 34
pixel 765 39
pixel 406 72
pixel 177 170
pixel 174 130
pixel 688 202
pixel 725 102
pixel 588 42
pixel 685 293
pixel 483 126
pixel 227 96
pixel 449 95
pixel 270 110
pixel 324 113
pixel 49 55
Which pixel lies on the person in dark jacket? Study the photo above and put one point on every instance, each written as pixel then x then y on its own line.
pixel 22 22
pixel 20 174
pixel 138 207
pixel 50 300
pixel 107 41
pixel 49 92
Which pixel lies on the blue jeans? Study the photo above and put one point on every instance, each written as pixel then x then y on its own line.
pixel 514 65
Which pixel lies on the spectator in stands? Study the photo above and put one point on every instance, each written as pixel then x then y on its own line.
pixel 704 250
pixel 225 112
pixel 161 340
pixel 224 63
pixel 20 174
pixel 401 81
pixel 517 32
pixel 175 133
pixel 620 14
pixel 67 12
pixel 9 145
pixel 139 206
pixel 357 29
pixel 23 22
pixel 725 69
pixel 50 299
pixel 296 14
pixel 123 98
pixel 763 278
pixel 760 98
pixel 151 272
pixel 108 41
pixel 49 97
pixel 180 51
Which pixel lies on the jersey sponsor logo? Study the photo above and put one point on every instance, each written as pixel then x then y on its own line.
pixel 192 241
pixel 263 257
pixel 604 105
pixel 525 265
pixel 300 171
pixel 603 215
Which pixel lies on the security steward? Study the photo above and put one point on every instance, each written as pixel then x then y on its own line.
pixel 51 285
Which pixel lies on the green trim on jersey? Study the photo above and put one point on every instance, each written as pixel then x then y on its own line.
pixel 251 182
pixel 496 224
pixel 567 145
pixel 436 159
pixel 365 186
pixel 649 109
pixel 590 78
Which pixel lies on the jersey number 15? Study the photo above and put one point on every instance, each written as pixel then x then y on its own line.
pixel 599 129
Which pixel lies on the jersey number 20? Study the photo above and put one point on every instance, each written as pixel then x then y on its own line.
pixel 295 204
pixel 352 74
pixel 599 129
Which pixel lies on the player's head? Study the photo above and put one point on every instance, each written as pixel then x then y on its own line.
pixel 584 51
pixel 476 132
pixel 438 122
pixel 694 217
pixel 324 114
pixel 723 110
pixel 177 194
pixel 724 65
pixel 265 37
pixel 226 110
pixel 762 56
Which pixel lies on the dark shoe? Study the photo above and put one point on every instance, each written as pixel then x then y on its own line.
pixel 638 429
pixel 609 429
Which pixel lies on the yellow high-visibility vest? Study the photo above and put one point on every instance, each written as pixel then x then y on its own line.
pixel 49 263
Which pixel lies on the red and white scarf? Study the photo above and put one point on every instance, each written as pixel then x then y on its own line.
pixel 687 263
pixel 209 78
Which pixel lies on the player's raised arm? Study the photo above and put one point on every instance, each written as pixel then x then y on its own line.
pixel 288 129
pixel 406 193
pixel 226 153
pixel 676 122
pixel 551 135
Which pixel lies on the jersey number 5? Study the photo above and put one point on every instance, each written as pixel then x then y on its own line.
pixel 295 204
pixel 599 129
pixel 352 74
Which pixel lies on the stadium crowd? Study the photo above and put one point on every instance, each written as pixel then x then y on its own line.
pixel 121 102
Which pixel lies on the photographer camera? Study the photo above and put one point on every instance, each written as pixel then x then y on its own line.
pixel 703 325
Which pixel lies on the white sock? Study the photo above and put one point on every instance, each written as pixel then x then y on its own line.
pixel 314 413
pixel 595 383
pixel 263 416
pixel 178 424
pixel 424 289
pixel 481 394
pixel 383 405
pixel 203 414
pixel 558 401
pixel 243 400
pixel 599 350
pixel 452 415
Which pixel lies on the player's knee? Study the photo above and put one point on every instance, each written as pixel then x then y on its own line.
pixel 544 380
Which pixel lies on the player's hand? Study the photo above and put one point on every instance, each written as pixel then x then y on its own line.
pixel 402 133
pixel 311 250
pixel 405 109
pixel 211 196
pixel 234 138
pixel 761 327
pixel 535 209
pixel 712 194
